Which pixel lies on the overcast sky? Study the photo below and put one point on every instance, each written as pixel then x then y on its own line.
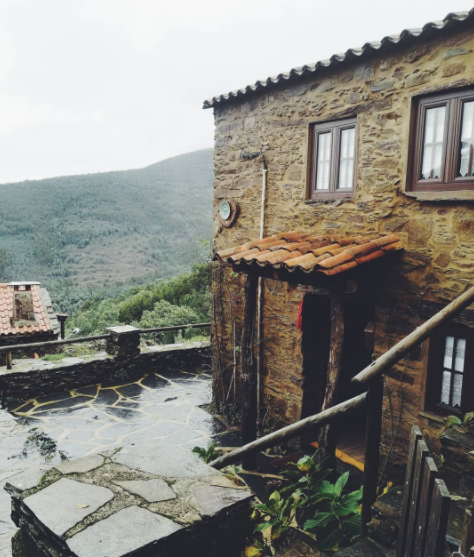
pixel 97 85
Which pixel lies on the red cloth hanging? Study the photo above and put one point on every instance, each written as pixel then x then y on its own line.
pixel 299 319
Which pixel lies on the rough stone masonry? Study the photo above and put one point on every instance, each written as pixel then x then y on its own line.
pixel 437 230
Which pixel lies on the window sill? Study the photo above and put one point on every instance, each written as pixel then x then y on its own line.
pixel 432 416
pixel 439 196
pixel 328 200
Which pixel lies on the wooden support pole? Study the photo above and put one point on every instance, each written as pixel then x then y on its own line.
pixel 467 537
pixel 248 372
pixel 294 430
pixel 9 360
pixel 421 333
pixel 328 436
pixel 372 451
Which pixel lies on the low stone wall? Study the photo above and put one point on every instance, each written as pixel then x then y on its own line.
pixel 32 378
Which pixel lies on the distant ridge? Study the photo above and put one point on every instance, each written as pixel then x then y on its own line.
pixel 104 231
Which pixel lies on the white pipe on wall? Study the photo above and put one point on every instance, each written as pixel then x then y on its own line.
pixel 260 292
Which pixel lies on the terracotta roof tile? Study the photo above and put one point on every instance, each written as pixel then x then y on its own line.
pixel 310 253
pixel 7 327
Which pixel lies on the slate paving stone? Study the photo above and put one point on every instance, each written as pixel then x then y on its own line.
pixel 184 435
pixel 81 465
pixel 53 397
pixel 173 462
pixel 129 530
pixel 78 435
pixel 212 500
pixel 154 382
pixel 158 431
pixel 201 420
pixel 133 390
pixel 66 502
pixel 27 479
pixel 152 491
pixel 122 413
pixel 88 391
pixel 68 403
pixel 106 397
pixel 125 428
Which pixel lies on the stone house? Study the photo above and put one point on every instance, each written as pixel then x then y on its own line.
pixel 368 213
pixel 26 314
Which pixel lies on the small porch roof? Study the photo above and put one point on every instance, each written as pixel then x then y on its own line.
pixel 310 253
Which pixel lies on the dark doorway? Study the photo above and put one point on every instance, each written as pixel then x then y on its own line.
pixel 356 356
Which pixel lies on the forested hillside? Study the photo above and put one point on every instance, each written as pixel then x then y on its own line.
pixel 163 303
pixel 99 234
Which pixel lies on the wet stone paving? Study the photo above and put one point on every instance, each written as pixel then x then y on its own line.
pixel 101 417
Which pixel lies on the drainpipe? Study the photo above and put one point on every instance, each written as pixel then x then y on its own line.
pixel 260 292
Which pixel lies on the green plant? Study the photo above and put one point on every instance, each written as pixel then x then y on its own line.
pixel 46 446
pixel 324 509
pixel 232 472
pixel 258 549
pixel 209 454
pixel 279 514
pixel 337 520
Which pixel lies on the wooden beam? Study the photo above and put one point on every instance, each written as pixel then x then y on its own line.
pixel 405 346
pixel 328 437
pixel 372 451
pixel 292 431
pixel 248 371
pixel 467 537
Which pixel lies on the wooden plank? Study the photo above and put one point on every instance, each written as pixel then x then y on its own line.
pixel 248 372
pixel 293 430
pixel 372 451
pixel 467 537
pixel 438 523
pixel 430 473
pixel 414 503
pixel 328 436
pixel 405 346
pixel 415 438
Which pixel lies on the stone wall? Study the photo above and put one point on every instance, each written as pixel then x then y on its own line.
pixel 29 380
pixel 437 230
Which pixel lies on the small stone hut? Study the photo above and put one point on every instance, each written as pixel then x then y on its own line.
pixel 26 314
pixel 347 188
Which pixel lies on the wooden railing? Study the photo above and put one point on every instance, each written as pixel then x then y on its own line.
pixel 32 345
pixel 371 378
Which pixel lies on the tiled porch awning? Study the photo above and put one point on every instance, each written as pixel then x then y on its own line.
pixel 311 253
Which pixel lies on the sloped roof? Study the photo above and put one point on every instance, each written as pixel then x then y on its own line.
pixel 46 321
pixel 390 42
pixel 311 253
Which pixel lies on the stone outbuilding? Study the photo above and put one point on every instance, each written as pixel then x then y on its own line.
pixel 26 314
pixel 345 188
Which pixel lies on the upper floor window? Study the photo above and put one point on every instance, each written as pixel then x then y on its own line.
pixel 450 370
pixel 443 136
pixel 332 154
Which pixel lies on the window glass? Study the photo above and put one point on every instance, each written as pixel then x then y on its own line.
pixel 324 161
pixel 433 143
pixel 453 364
pixel 467 140
pixel 346 162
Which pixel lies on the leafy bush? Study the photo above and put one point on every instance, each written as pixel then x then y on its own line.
pixel 323 508
pixel 209 454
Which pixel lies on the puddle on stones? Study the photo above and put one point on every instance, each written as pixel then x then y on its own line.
pixel 95 418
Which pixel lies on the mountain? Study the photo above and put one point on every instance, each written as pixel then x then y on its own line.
pixel 97 234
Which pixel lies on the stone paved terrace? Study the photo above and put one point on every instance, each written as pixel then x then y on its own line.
pixel 99 418
pixel 147 500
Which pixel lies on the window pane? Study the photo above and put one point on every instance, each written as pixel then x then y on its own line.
pixel 460 355
pixel 446 388
pixel 323 168
pixel 448 352
pixel 457 390
pixel 467 140
pixel 433 142
pixel 346 162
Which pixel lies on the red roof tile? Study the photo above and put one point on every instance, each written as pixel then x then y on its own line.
pixel 310 253
pixel 7 327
